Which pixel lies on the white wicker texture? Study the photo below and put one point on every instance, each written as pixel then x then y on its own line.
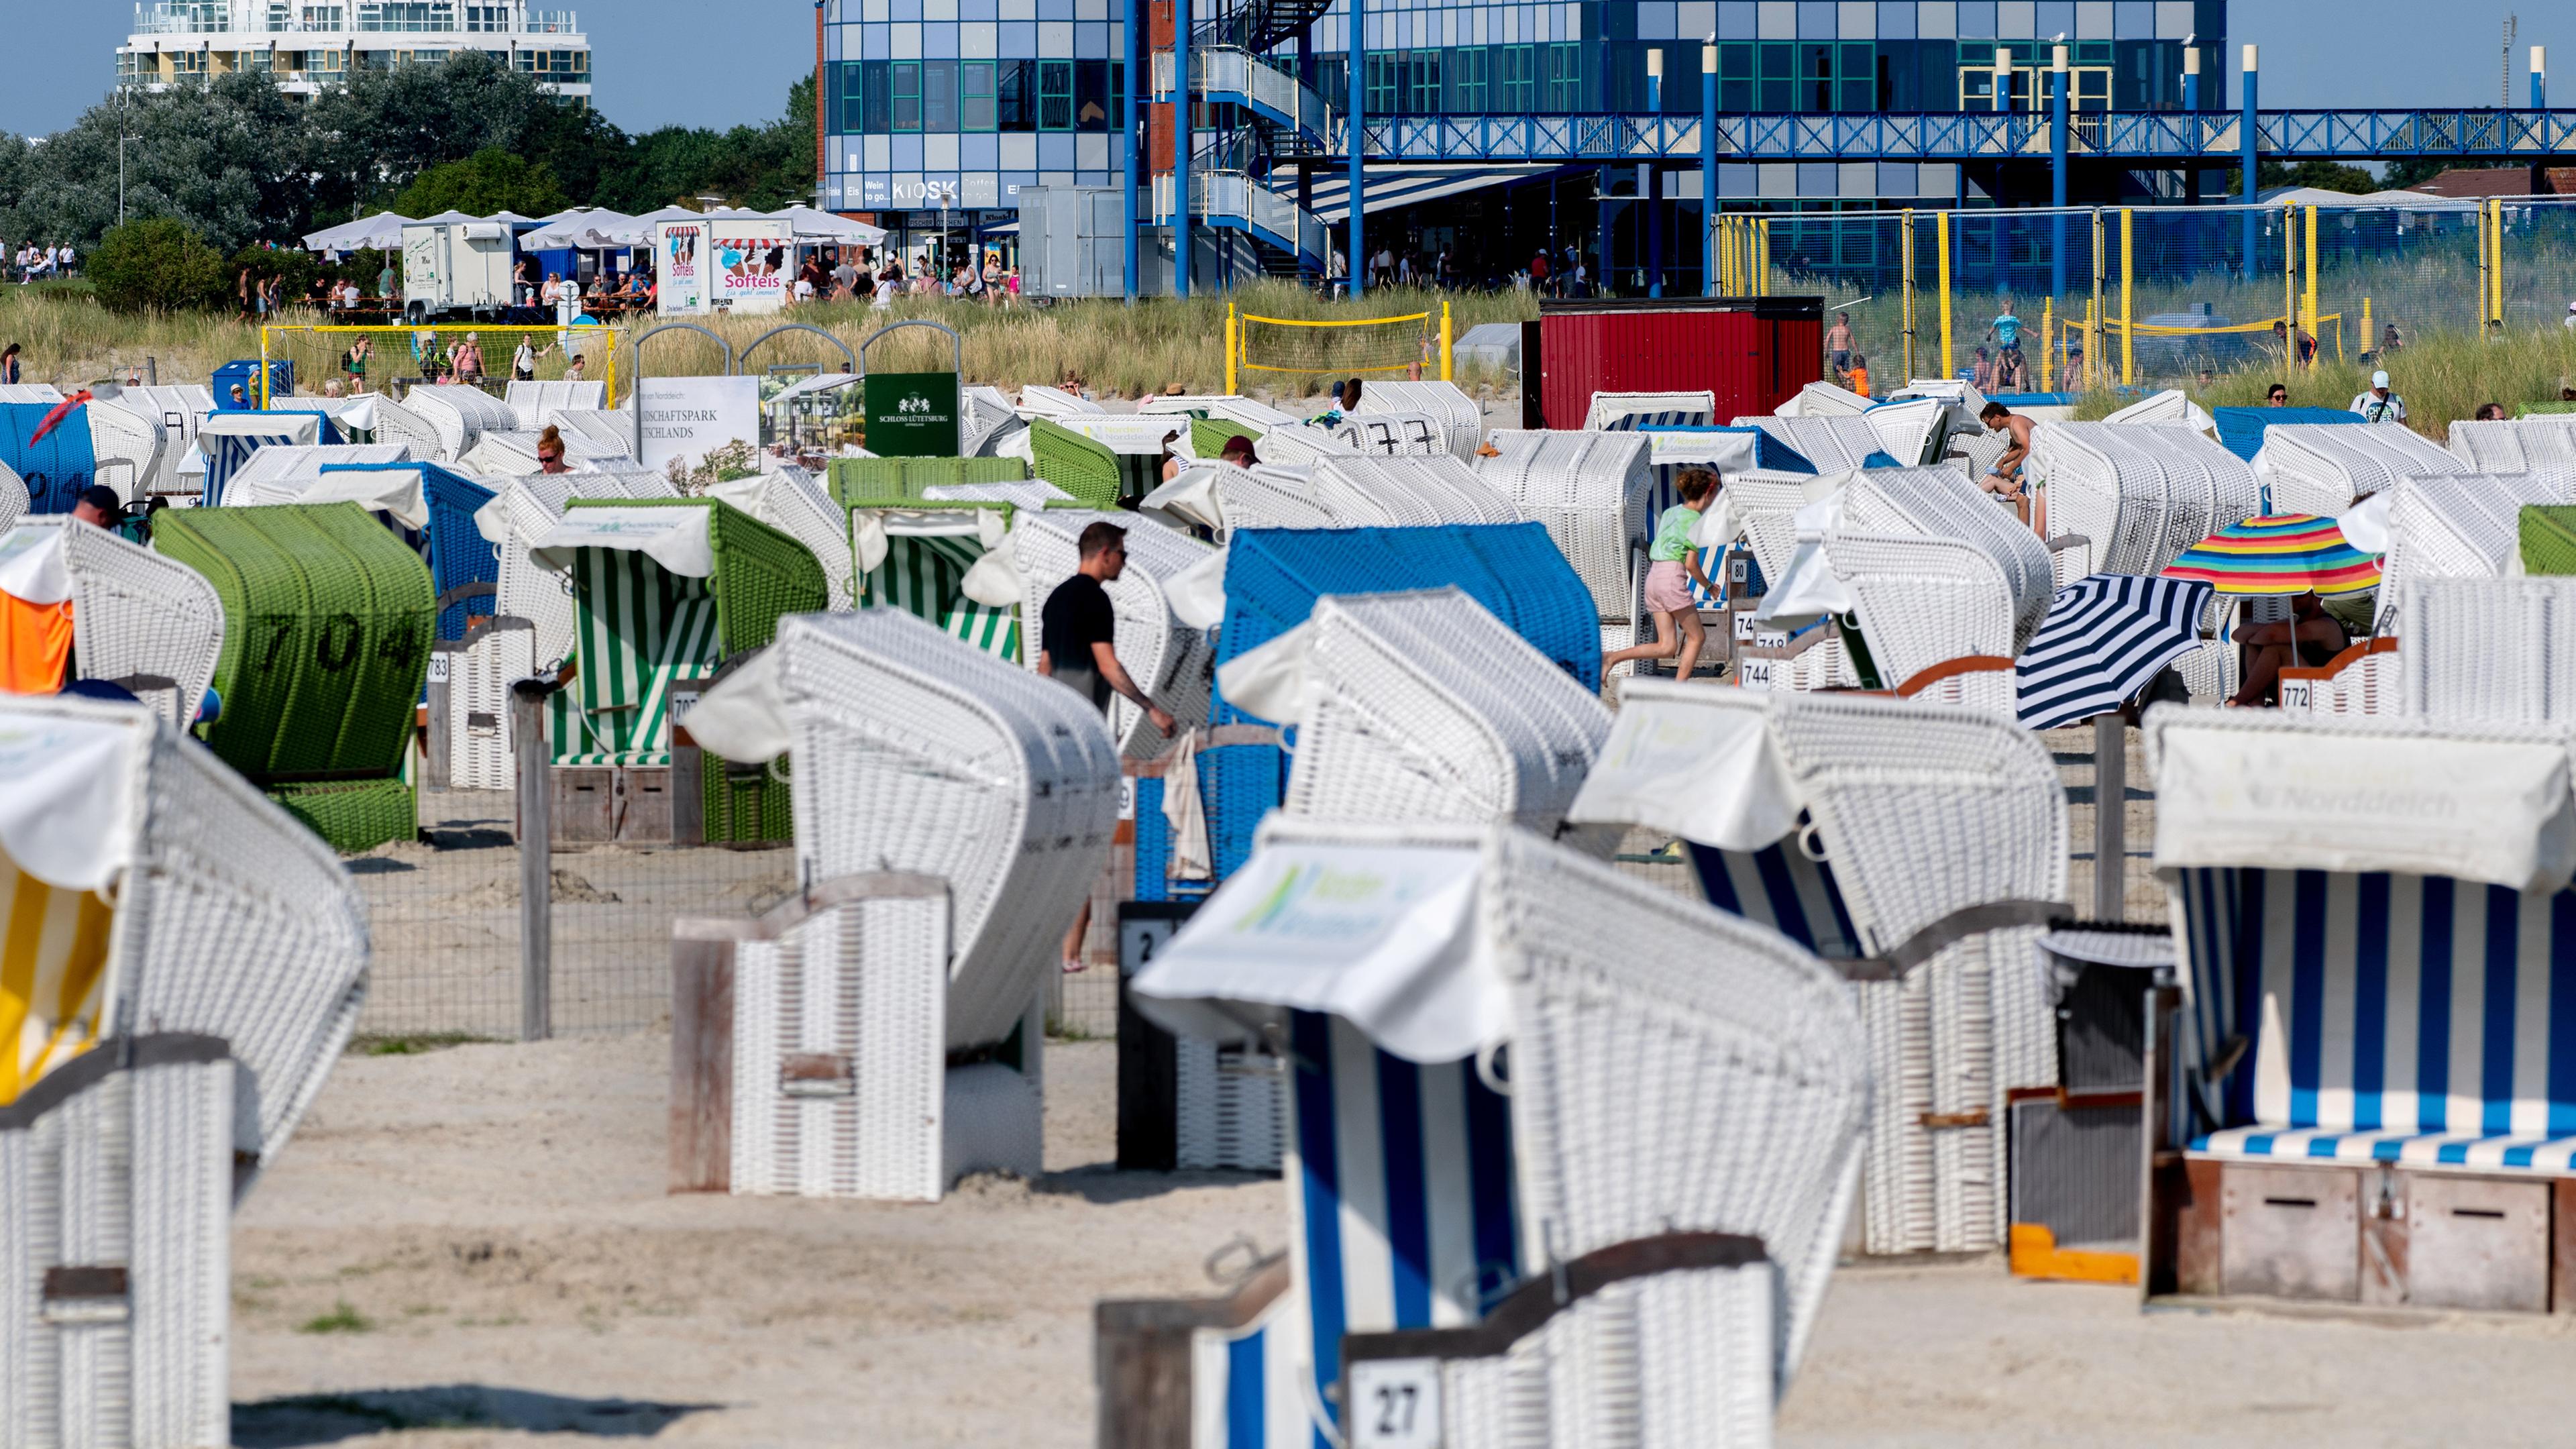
pixel 1974 449
pixel 1765 506
pixel 2542 448
pixel 2142 492
pixel 917 752
pixel 1459 421
pixel 1938 503
pixel 13 497
pixel 608 429
pixel 2070 557
pixel 1424 707
pixel 2324 468
pixel 1909 431
pixel 531 402
pixel 1122 432
pixel 459 417
pixel 527 508
pixel 1924 601
pixel 2499 650
pixel 511 454
pixel 1397 435
pixel 398 423
pixel 130 1170
pixel 1167 658
pixel 795 503
pixel 128 444
pixel 1650 1361
pixel 1824 400
pixel 1748 1049
pixel 280 473
pixel 1229 1106
pixel 1037 400
pixel 1035 493
pixel 1257 417
pixel 1426 489
pixel 179 410
pixel 1594 492
pixel 2368 683
pixel 1834 445
pixel 1609 407
pixel 493 655
pixel 136 612
pixel 1303 444
pixel 1273 496
pixel 2172 405
pixel 2455 526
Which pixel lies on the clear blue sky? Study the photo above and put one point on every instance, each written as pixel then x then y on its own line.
pixel 722 62
pixel 658 62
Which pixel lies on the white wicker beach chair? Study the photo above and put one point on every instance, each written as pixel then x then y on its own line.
pixel 1938 503
pixel 1922 846
pixel 2499 650
pixel 2324 469
pixel 513 454
pixel 1426 489
pixel 13 497
pixel 1593 490
pixel 609 430
pixel 128 443
pixel 2541 448
pixel 1455 416
pixel 481 740
pixel 1169 659
pixel 521 512
pixel 139 619
pixel 180 411
pixel 1607 408
pixel 532 402
pixel 1037 400
pixel 2139 492
pixel 457 416
pixel 396 422
pixel 1834 445
pixel 1934 611
pixel 2172 405
pixel 1764 506
pixel 1397 435
pixel 116 1193
pixel 1580 1261
pixel 981 801
pixel 2455 526
pixel 286 470
pixel 795 503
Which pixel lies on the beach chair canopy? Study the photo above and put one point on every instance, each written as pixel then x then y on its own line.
pixel 947 564
pixel 521 511
pixel 1039 400
pixel 2172 405
pixel 1660 409
pixel 138 618
pixel 875 482
pixel 2542 449
pixel 2325 470
pixel 1832 445
pixel 1592 491
pixel 1936 503
pixel 792 501
pixel 533 403
pixel 2241 430
pixel 459 416
pixel 228 439
pixel 1454 416
pixel 508 454
pixel 2450 525
pixel 2140 492
pixel 1168 657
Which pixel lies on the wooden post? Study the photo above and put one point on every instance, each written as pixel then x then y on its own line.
pixel 440 744
pixel 2110 817
pixel 536 859
pixel 702 966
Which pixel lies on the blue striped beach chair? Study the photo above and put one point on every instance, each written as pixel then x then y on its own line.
pixel 1423 1202
pixel 2374 1059
pixel 1921 848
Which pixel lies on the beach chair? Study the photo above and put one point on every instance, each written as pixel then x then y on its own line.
pixel 281 472
pixel 140 619
pixel 1456 421
pixel 665 592
pixel 533 403
pixel 946 563
pixel 2305 468
pixel 1170 659
pixel 2129 497
pixel 2358 1097
pixel 14 502
pixel 882 481
pixel 521 511
pixel 608 430
pixel 328 619
pixel 2542 450
pixel 1593 491
pixel 2501 650
pixel 432 504
pixel 228 439
pixel 180 410
pixel 961 806
pixel 151 889
pixel 2172 405
pixel 1937 503
pixel 1037 400
pixel 1102 460
pixel 792 501
pixel 458 417
pixel 1511 1251
pixel 510 454
pixel 1666 409
pixel 1936 615
pixel 1397 435
pixel 1833 445
pixel 81 449
pixel 1919 847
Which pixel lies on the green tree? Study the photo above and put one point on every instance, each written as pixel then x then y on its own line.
pixel 489 181
pixel 156 265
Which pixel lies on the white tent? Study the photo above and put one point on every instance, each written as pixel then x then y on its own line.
pixel 380 232
pixel 810 225
pixel 637 231
pixel 582 226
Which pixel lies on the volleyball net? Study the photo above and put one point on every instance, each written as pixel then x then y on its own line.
pixel 394 359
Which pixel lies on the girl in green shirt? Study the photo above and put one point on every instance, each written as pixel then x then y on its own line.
pixel 1672 566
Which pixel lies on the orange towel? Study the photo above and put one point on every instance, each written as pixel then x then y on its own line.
pixel 35 642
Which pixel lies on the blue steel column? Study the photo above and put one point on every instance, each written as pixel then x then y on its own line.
pixel 2191 116
pixel 1138 88
pixel 2057 177
pixel 1650 185
pixel 1356 110
pixel 1184 139
pixel 2540 77
pixel 1708 169
pixel 1305 172
pixel 2251 141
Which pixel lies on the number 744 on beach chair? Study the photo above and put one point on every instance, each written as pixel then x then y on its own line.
pixel 1482 1224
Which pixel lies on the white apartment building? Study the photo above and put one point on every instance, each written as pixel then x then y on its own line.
pixel 306 45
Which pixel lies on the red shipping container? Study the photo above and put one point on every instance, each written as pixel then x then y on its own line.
pixel 1754 353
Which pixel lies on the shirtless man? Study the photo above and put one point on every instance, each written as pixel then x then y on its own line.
pixel 2004 479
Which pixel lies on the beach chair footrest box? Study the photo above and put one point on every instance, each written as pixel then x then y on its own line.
pixel 622 805
pixel 353 816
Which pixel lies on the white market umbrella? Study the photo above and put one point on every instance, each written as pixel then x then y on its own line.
pixel 380 232
pixel 806 223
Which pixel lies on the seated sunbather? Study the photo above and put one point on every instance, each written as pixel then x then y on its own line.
pixel 2267 649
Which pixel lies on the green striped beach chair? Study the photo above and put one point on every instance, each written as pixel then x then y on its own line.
pixel 928 549
pixel 856 481
pixel 664 592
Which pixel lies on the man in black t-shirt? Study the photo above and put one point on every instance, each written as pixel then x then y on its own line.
pixel 1077 643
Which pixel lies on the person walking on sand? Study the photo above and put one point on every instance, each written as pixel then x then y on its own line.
pixel 1077 645
pixel 1672 567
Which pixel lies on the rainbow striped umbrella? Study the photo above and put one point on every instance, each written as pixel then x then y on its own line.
pixel 2294 553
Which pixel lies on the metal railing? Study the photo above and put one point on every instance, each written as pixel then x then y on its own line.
pixel 1222 196
pixel 1226 71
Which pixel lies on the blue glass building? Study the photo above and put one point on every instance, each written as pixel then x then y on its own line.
pixel 968 101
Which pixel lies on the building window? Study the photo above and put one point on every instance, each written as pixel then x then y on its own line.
pixel 939 95
pixel 326 62
pixel 905 76
pixel 1055 95
pixel 487 19
pixel 1779 76
pixel 1018 95
pixel 1735 77
pixel 326 17
pixel 1520 89
pixel 1467 80
pixel 846 98
pixel 876 96
pixel 1855 78
pixel 188 63
pixel 1423 83
pixel 975 96
pixel 1383 75
pixel 1564 78
pixel 407 15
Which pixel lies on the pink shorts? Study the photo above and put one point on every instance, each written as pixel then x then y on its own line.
pixel 1668 588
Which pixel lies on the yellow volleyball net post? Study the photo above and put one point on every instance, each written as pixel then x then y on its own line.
pixel 395 358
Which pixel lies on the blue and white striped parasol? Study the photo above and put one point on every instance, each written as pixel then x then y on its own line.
pixel 2105 638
